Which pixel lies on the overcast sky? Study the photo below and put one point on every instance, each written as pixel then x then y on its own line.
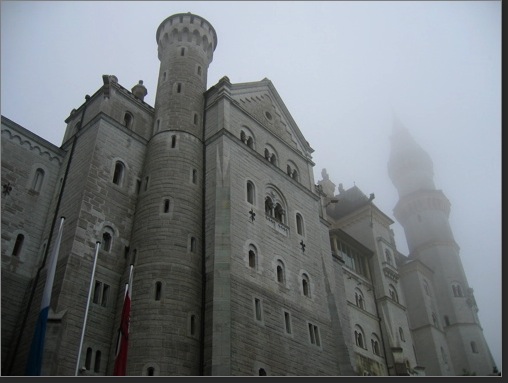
pixel 342 69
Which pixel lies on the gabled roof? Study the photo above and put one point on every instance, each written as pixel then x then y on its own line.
pixel 261 101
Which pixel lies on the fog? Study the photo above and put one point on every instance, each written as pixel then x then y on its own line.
pixel 343 70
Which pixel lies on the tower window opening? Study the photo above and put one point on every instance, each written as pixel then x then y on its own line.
pixel 179 87
pixel 193 245
pixel 252 259
pixel 158 290
pixel 199 70
pixel 299 224
pixel 182 51
pixel 280 273
pixel 193 325
pixel 105 295
pixel 250 192
pixel 446 320
pixel 314 335
pixel 97 365
pixel 97 292
pixel 194 176
pixel 18 245
pixel 146 182
pixel 305 285
pixel 287 322
pixel 127 120
pixel 257 307
pixel 118 173
pixel 106 241
pixel 166 206
pixel 195 119
pixel 38 178
pixel 262 372
pixel 150 371
pixel 173 141
pixel 88 358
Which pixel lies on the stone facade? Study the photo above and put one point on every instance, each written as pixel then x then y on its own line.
pixel 242 264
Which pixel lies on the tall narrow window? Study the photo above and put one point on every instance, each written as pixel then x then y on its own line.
pixel 287 322
pixel 178 88
pixel 127 120
pixel 250 192
pixel 138 186
pixel 305 285
pixel 150 371
pixel 314 335
pixel 252 257
pixel 105 295
pixel 118 173
pixel 193 245
pixel 88 358
pixel 359 337
pixel 426 287
pixel 18 245
pixel 166 205
pixel 173 141
pixel 199 70
pixel 97 292
pixel 194 176
pixel 257 307
pixel 38 178
pixel 147 178
pixel 280 272
pixel 158 290
pixel 195 119
pixel 106 241
pixel 182 51
pixel 375 345
pixel 446 320
pixel 299 224
pixel 97 365
pixel 193 325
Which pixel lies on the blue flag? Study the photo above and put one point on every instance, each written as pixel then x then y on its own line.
pixel 34 362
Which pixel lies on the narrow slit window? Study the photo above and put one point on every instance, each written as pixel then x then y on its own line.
pixel 88 358
pixel 193 245
pixel 105 295
pixel 97 292
pixel 166 206
pixel 173 141
pixel 158 291
pixel 178 88
pixel 97 364
pixel 193 325
pixel 252 259
pixel 287 322
pixel 118 173
pixel 257 304
pixel 194 176
pixel 18 245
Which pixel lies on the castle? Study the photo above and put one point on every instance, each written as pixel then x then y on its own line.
pixel 242 263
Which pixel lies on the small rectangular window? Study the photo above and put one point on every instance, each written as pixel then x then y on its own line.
pixel 257 304
pixel 97 292
pixel 314 335
pixel 287 322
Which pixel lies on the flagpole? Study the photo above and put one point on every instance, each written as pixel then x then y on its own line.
pixel 123 331
pixel 97 246
pixel 34 362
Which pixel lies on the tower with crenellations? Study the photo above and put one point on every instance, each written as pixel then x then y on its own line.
pixel 167 236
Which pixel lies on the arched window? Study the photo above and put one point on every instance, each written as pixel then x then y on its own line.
pixel 401 334
pixel 393 293
pixel 375 344
pixel 107 239
pixel 127 119
pixel 359 337
pixel 18 245
pixel 88 358
pixel 150 371
pixel 281 278
pixel 269 206
pixel 299 224
pixel 295 175
pixel 158 290
pixel 243 137
pixel 38 179
pixel 262 372
pixel 252 257
pixel 273 159
pixel 305 285
pixel 97 364
pixel 250 142
pixel 360 301
pixel 250 192
pixel 279 213
pixel 166 205
pixel 118 173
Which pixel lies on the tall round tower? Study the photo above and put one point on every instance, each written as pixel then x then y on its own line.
pixel 166 242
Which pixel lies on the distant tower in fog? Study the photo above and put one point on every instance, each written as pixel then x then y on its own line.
pixel 441 305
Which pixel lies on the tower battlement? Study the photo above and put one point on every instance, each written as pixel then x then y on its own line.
pixel 186 27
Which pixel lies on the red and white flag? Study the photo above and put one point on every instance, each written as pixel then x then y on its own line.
pixel 123 331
